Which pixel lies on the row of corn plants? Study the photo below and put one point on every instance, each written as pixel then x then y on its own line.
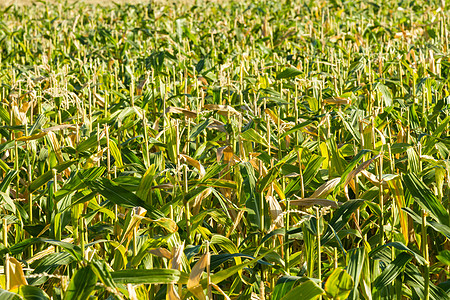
pixel 225 150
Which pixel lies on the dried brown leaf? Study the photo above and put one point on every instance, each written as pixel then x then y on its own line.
pixel 314 201
pixel 178 110
pixel 337 100
pixel 222 109
pixel 161 252
pixel 326 188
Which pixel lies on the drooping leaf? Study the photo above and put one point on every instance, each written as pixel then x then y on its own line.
pixel 426 198
pixel 122 197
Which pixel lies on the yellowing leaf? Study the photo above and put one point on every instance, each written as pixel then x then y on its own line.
pixel 178 110
pixel 396 188
pixel 326 188
pixel 194 163
pixel 275 212
pixel 115 152
pixel 325 154
pixel 337 100
pixel 161 252
pixel 193 284
pixel 17 278
pixel 54 143
pixel 177 255
pixel 168 224
pixel 137 214
pixel 172 293
pixel 314 201
pixel 31 137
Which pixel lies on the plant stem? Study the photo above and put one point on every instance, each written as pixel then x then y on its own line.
pixel 426 256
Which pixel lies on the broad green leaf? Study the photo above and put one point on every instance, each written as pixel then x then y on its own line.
pixel 4 115
pixel 441 228
pixel 393 270
pixel 426 198
pixel 82 284
pixel 283 286
pixel 21 246
pixel 307 290
pixel 44 178
pixel 226 273
pixel 92 142
pixel 115 152
pixel 29 292
pixel 355 266
pixel 4 185
pixel 414 278
pixel 399 246
pixel 339 284
pixel 144 188
pixel 271 175
pixel 253 136
pixel 444 257
pixel 288 73
pixel 199 128
pixel 337 161
pixel 310 171
pixel 122 197
pixel 142 276
pixel 340 218
pixel 386 94
pixel 5 295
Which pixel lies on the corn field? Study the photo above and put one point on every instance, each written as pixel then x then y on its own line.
pixel 225 150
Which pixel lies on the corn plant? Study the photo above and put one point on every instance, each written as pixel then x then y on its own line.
pixel 225 150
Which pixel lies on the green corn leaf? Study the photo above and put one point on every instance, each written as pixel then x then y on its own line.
pixel 21 246
pixel 253 136
pixel 47 176
pixel 288 73
pixel 271 175
pixel 339 284
pixel 444 257
pixel 29 292
pixel 142 276
pixel 307 290
pixel 115 152
pixel 5 295
pixel 4 185
pixel 122 197
pixel 283 286
pixel 399 246
pixel 426 198
pixel 355 267
pixel 341 217
pixel 392 271
pixel 82 284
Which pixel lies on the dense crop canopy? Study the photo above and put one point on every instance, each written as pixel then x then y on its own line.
pixel 225 150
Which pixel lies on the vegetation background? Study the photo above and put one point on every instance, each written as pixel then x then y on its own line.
pixel 225 150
